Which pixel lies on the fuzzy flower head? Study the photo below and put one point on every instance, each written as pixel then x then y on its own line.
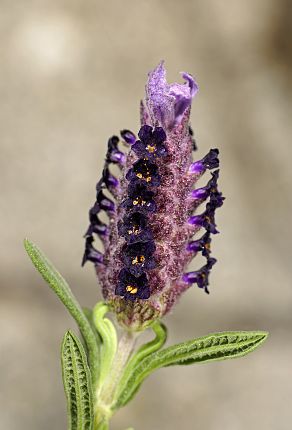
pixel 154 230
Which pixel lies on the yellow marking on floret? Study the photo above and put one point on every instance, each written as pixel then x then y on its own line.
pixel 135 230
pixel 132 290
pixel 138 259
pixel 151 148
pixel 139 201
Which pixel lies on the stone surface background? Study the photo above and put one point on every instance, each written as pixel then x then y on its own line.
pixel 72 73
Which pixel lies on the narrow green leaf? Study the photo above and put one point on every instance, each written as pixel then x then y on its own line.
pixel 63 291
pixel 214 347
pixel 154 345
pixel 77 384
pixel 89 315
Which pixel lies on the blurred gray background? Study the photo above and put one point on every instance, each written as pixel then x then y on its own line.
pixel 72 73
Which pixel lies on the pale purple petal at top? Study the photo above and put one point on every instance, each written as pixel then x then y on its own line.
pixel 167 103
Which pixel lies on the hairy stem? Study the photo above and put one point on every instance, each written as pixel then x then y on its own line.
pixel 106 393
pixel 125 348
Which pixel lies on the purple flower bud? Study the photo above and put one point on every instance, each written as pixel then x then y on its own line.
pixel 91 254
pixel 200 194
pixel 201 276
pixel 114 155
pixel 96 226
pixel 110 180
pixel 203 244
pixel 209 189
pixel 149 240
pixel 104 202
pixel 128 136
pixel 210 161
pixel 215 201
pixel 205 220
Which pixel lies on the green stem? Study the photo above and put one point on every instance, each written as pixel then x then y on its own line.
pixel 113 367
pixel 125 348
pixel 145 350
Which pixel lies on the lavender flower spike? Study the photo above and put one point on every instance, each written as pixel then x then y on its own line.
pixel 149 239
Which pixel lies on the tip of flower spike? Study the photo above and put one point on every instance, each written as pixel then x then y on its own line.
pixel 167 103
pixel 194 88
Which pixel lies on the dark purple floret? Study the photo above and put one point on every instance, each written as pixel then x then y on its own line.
pixel 131 287
pixel 128 136
pixel 114 155
pixel 210 161
pixel 203 244
pixel 134 228
pixel 148 134
pixel 91 254
pixel 201 276
pixel 150 144
pixel 139 198
pixel 144 171
pixel 138 257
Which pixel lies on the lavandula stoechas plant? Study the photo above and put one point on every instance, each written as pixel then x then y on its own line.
pixel 155 228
